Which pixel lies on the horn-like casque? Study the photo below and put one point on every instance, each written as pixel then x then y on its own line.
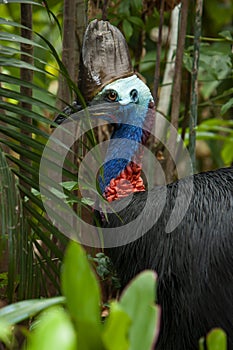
pixel 105 58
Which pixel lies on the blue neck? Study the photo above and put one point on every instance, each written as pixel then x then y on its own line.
pixel 129 133
pixel 124 144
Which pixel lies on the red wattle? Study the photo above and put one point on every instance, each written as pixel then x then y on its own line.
pixel 128 181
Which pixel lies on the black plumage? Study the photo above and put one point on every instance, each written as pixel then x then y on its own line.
pixel 194 263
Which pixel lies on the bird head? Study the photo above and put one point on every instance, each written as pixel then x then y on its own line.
pixel 125 91
pixel 106 76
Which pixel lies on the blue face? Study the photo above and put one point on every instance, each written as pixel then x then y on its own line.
pixel 125 91
pixel 128 92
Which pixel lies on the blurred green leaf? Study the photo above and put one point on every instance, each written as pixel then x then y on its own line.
pixel 138 301
pixel 82 293
pixel 70 185
pixel 226 34
pixel 5 333
pixel 201 343
pixel 136 20
pixel 127 28
pixel 5 2
pixel 19 39
pixel 22 310
pixel 11 218
pixel 227 153
pixel 116 329
pixel 213 69
pixel 136 5
pixel 5 21
pixel 227 106
pixel 124 8
pixel 216 340
pixel 215 65
pixel 54 330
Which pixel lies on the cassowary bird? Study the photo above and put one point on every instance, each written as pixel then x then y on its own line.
pixel 194 262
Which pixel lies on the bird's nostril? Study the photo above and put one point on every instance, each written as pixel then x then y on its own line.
pixel 134 95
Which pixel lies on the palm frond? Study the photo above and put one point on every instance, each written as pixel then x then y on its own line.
pixel 35 245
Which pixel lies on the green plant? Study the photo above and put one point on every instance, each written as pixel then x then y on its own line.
pixel 32 245
pixel 74 321
pixel 216 339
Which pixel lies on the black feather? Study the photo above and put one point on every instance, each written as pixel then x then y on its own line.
pixel 194 262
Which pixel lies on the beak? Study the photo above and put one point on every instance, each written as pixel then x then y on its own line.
pixel 67 111
pixel 59 119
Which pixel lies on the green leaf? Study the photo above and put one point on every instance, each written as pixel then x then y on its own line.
pixel 226 153
pixel 116 329
pixel 138 300
pixel 11 217
pixel 16 81
pixel 127 28
pixel 226 34
pixel 19 1
pixel 70 185
pixel 216 340
pixel 205 135
pixel 136 20
pixel 213 69
pixel 82 293
pixel 19 39
pixel 124 8
pixel 54 330
pixel 22 310
pixel 23 98
pixel 227 106
pixel 7 22
pixel 136 5
pixel 5 333
pixel 201 343
pixel 87 201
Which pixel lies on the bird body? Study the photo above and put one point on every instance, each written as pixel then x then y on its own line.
pixel 194 260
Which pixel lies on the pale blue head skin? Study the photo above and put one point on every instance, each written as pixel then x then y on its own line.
pixel 127 92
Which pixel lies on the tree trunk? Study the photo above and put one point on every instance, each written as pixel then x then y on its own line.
pixel 74 25
pixel 176 92
pixel 194 83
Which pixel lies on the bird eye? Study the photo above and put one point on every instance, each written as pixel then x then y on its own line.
pixel 112 96
pixel 134 95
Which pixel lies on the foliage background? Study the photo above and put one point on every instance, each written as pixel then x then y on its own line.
pixel 31 247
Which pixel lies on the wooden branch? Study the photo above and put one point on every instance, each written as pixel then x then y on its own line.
pixel 74 25
pixel 176 93
pixel 81 24
pixel 158 55
pixel 105 10
pixel 68 52
pixel 166 89
pixel 194 83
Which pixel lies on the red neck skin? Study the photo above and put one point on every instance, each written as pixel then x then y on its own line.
pixel 127 182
